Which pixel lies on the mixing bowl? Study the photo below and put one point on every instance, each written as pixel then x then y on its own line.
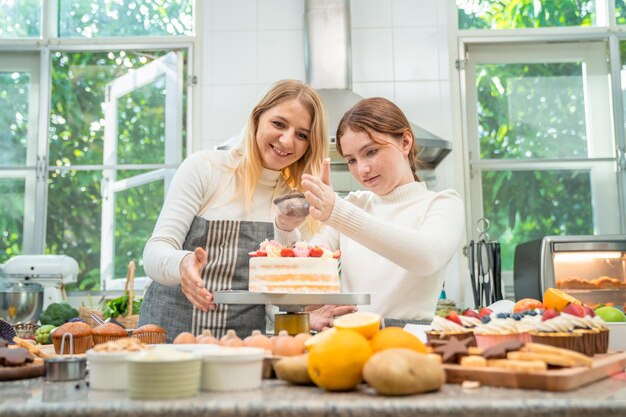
pixel 20 302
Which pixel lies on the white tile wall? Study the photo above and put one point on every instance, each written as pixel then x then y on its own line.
pixel 370 13
pixel 234 15
pixel 280 14
pixel 234 57
pixel 372 55
pixel 281 55
pixel 411 13
pixel 228 111
pixel 415 54
pixel 375 89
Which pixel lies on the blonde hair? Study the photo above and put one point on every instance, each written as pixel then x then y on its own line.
pixel 379 115
pixel 248 172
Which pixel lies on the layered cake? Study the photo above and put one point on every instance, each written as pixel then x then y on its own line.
pixel 300 269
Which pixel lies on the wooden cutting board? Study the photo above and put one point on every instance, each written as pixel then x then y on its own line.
pixel 21 372
pixel 564 379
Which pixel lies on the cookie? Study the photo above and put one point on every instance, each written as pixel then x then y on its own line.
pixel 517 365
pixel 14 357
pixel 473 361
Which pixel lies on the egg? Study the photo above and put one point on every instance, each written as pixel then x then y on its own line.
pixel 184 338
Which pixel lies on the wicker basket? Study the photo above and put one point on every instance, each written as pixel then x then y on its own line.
pixel 131 320
pixel 85 315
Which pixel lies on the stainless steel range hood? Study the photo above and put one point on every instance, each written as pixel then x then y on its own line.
pixel 329 71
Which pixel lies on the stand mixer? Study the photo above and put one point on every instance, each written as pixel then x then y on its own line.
pixel 30 283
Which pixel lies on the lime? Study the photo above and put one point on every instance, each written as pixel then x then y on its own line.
pixel 610 314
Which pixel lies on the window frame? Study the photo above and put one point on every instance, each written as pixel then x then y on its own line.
pixel 34 236
pixel 612 34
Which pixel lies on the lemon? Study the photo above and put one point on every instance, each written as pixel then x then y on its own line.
pixel 365 323
pixel 396 337
pixel 336 361
pixel 311 341
pixel 557 299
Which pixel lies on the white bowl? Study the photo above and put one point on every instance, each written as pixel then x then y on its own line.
pixel 232 368
pixel 108 370
pixel 164 373
pixel 617 336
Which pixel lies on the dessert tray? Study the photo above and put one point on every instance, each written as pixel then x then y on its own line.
pixel 289 302
pixel 564 379
pixel 20 372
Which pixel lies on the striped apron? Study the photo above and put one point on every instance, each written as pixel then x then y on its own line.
pixel 227 243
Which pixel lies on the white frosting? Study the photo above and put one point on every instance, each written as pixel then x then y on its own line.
pixel 441 324
pixel 596 322
pixel 556 324
pixel 579 322
pixel 503 326
pixel 294 275
pixel 469 321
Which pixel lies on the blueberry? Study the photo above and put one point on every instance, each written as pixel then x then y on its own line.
pixel 532 313
pixel 517 316
pixel 485 319
pixel 501 315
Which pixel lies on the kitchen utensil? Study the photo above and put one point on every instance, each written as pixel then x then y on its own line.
pixel 293 204
pixel 20 302
pixel 485 264
pixel 108 370
pixel 66 367
pixel 7 332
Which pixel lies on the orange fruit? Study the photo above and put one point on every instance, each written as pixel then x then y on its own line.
pixel 557 299
pixel 313 340
pixel 336 361
pixel 527 304
pixel 365 323
pixel 396 337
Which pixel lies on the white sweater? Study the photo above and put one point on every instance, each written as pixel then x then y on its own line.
pixel 394 247
pixel 204 175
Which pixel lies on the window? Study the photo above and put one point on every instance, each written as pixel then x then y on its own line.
pixel 544 121
pixel 20 19
pixel 100 18
pixel 518 14
pixel 91 134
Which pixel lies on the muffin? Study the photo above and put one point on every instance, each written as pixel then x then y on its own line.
pixel 501 328
pixel 80 338
pixel 107 332
pixel 150 334
pixel 444 329
pixel 557 331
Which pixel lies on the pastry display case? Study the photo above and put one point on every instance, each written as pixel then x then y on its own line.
pixel 590 268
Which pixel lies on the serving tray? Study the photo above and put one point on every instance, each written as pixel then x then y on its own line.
pixel 20 372
pixel 564 379
pixel 289 302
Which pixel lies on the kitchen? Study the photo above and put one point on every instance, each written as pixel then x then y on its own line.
pixel 406 51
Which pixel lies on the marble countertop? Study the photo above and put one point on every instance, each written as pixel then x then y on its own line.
pixel 35 397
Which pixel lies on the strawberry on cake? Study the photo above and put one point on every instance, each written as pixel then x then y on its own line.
pixel 300 269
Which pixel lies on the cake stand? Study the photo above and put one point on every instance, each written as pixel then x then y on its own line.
pixel 291 315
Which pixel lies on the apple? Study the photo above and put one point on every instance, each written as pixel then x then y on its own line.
pixel 610 314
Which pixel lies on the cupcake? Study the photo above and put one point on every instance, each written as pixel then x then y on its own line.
pixel 107 332
pixel 584 324
pixel 556 330
pixel 501 328
pixel 150 334
pixel 448 327
pixel 79 338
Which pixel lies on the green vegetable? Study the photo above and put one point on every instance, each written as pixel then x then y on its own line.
pixel 57 314
pixel 42 334
pixel 119 307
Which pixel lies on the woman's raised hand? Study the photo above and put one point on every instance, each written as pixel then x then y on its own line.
pixel 191 282
pixel 319 192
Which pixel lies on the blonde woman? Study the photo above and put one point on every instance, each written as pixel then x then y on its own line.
pixel 219 208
